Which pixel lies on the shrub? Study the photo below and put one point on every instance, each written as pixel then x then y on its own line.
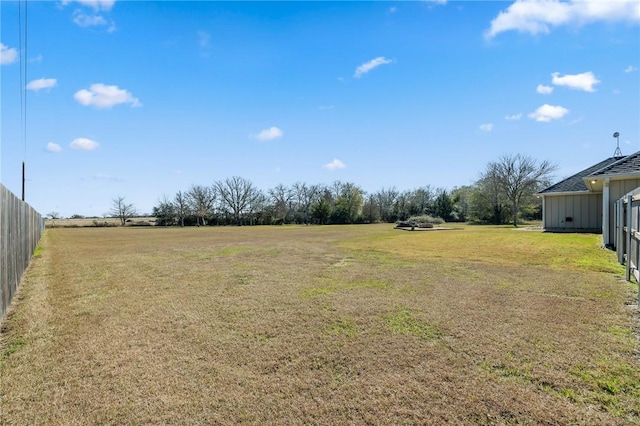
pixel 426 219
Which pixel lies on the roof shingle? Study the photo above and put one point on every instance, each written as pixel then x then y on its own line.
pixel 576 183
pixel 627 165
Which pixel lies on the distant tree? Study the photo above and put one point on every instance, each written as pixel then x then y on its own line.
pixel 402 205
pixel 520 176
pixel 370 209
pixel 386 199
pixel 165 212
pixel 443 205
pixel 236 196
pixel 281 197
pixel 201 199
pixel 76 216
pixel 53 216
pixel 181 205
pixel 321 210
pixel 461 202
pixel 255 207
pixel 305 195
pixel 421 201
pixel 348 205
pixel 488 204
pixel 122 210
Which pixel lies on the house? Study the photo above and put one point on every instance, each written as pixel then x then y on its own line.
pixel 585 201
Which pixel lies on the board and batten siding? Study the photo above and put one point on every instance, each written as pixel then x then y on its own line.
pixel 585 211
pixel 20 229
pixel 617 190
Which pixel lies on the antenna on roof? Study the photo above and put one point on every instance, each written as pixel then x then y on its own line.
pixel 617 152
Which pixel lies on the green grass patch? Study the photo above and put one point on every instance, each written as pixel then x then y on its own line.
pixel 13 346
pixel 231 251
pixel 343 326
pixel 38 251
pixel 311 293
pixel 404 322
pixel 372 283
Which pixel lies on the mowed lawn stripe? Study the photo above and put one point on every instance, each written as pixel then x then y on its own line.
pixel 322 325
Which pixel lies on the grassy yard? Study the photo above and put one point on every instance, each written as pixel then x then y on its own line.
pixel 320 325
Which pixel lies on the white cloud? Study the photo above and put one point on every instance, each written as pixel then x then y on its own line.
pixel 37 58
pixel 630 68
pixel 513 117
pixel 584 81
pixel 84 144
pixel 535 17
pixel 548 112
pixel 94 17
pixel 544 90
pixel 96 5
pixel 269 134
pixel 42 83
pixel 335 164
pixel 53 147
pixel 393 9
pixel 83 20
pixel 8 55
pixel 487 127
pixel 102 96
pixel 372 64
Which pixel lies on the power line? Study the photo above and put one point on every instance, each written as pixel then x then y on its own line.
pixel 23 87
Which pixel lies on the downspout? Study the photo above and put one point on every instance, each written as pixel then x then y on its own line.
pixel 605 213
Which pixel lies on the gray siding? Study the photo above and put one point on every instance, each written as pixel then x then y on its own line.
pixel 585 210
pixel 617 190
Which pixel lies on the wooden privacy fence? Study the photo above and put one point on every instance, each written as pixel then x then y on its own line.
pixel 627 217
pixel 20 230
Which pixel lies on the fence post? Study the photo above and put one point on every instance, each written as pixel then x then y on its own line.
pixel 629 202
pixel 619 215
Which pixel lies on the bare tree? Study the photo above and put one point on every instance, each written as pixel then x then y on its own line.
pixel 488 200
pixel 182 206
pixel 122 210
pixel 520 176
pixel 281 197
pixel 305 197
pixel 386 199
pixel 371 209
pixel 237 195
pixel 201 200
pixel 53 216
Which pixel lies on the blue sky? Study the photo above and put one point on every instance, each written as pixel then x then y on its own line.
pixel 143 99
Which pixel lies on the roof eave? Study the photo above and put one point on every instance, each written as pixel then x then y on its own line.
pixel 545 194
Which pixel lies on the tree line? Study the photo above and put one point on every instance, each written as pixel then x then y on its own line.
pixel 504 193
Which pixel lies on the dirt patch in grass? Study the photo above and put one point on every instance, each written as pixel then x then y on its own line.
pixel 321 325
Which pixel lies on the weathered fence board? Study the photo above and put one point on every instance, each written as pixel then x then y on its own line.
pixel 628 239
pixel 20 229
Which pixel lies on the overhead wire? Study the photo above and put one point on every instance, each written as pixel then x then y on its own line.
pixel 23 59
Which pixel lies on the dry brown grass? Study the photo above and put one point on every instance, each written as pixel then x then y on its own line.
pixel 319 325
